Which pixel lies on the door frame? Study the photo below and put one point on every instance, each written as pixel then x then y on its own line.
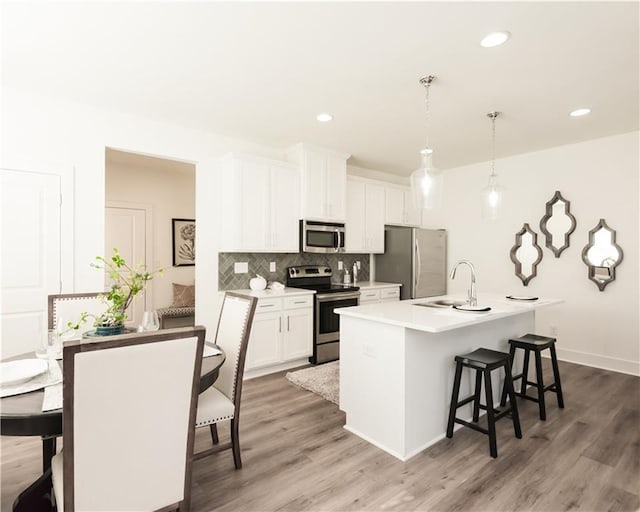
pixel 148 242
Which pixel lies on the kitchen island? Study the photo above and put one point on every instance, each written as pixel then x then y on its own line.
pixel 397 364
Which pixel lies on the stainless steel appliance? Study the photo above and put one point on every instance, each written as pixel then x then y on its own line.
pixel 416 258
pixel 321 237
pixel 328 298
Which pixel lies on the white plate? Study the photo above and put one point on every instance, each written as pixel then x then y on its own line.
pixel 14 372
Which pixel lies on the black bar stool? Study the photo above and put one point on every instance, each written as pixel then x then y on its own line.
pixel 484 361
pixel 536 344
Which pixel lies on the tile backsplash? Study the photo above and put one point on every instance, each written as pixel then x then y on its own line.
pixel 259 264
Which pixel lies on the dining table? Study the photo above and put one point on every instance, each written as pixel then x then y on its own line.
pixel 22 415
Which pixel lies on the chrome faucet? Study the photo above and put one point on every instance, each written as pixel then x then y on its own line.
pixel 473 299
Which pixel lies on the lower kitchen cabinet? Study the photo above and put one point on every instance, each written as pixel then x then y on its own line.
pixel 281 335
pixel 370 295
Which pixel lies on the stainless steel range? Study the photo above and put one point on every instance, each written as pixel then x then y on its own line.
pixel 328 297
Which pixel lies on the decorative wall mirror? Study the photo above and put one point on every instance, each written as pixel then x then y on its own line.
pixel 526 254
pixel 557 224
pixel 602 255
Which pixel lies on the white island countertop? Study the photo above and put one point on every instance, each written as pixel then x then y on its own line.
pixel 406 313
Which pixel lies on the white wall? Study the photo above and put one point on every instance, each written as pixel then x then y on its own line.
pixel 68 135
pixel 600 179
pixel 171 194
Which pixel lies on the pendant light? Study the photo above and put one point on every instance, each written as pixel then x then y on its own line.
pixel 492 194
pixel 427 181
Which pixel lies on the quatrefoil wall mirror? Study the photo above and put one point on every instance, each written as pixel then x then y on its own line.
pixel 526 254
pixel 557 224
pixel 602 255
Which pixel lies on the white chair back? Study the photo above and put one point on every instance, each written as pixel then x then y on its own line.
pixel 129 419
pixel 69 308
pixel 234 327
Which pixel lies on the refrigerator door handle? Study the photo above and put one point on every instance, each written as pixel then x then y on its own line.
pixel 418 265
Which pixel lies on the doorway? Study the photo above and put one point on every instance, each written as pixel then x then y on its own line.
pixel 142 195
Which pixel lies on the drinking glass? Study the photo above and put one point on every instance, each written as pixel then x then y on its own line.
pixel 54 344
pixel 150 321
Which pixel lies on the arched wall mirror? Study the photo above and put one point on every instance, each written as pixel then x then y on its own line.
pixel 526 254
pixel 602 255
pixel 557 224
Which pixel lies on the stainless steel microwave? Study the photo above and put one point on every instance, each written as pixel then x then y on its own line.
pixel 321 237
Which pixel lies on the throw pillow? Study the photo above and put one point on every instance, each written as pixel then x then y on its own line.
pixel 183 295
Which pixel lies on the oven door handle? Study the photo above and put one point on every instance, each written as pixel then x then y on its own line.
pixel 325 297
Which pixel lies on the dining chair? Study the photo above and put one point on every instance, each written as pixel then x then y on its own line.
pixel 221 402
pixel 69 307
pixel 129 409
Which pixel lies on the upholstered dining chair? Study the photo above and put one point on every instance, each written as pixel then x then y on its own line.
pixel 221 402
pixel 129 409
pixel 68 308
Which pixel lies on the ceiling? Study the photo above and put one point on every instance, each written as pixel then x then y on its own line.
pixel 263 71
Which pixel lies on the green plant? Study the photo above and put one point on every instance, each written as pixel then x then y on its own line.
pixel 126 283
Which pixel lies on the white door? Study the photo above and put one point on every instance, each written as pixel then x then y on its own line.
pixel 125 229
pixel 30 234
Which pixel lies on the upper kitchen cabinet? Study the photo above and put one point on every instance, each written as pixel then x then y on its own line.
pixel 324 175
pixel 364 224
pixel 261 200
pixel 399 209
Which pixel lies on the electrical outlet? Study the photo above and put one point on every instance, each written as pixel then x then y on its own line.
pixel 553 330
pixel 340 265
pixel 272 266
pixel 358 265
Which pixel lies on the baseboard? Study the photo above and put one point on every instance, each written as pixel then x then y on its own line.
pixel 266 370
pixel 597 361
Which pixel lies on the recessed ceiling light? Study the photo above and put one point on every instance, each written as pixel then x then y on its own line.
pixel 324 118
pixel 580 112
pixel 495 39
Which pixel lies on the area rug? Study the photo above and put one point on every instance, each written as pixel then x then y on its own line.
pixel 323 380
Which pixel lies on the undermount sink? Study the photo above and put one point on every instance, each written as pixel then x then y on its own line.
pixel 441 303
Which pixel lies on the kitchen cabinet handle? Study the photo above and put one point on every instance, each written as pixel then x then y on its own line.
pixel 288 317
pixel 280 324
pixel 300 302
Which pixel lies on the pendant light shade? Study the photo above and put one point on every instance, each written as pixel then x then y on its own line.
pixel 492 194
pixel 427 181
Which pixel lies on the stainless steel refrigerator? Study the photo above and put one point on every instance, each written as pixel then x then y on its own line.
pixel 415 258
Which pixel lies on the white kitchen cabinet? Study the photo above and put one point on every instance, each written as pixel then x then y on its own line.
pixel 399 209
pixel 264 341
pixel 324 175
pixel 364 224
pixel 375 295
pixel 282 333
pixel 261 205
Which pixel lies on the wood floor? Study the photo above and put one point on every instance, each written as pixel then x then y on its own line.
pixel 297 456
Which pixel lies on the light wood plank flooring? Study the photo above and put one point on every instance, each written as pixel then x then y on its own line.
pixel 298 457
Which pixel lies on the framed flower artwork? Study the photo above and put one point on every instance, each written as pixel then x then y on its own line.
pixel 184 242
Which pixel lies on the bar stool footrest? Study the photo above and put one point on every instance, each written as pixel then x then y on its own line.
pixel 473 426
